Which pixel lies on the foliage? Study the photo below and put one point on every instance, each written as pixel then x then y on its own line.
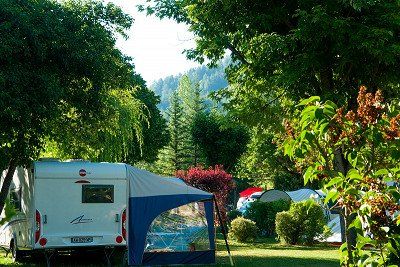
pixel 221 139
pixel 214 180
pixel 301 224
pixel 233 214
pixel 48 72
pixel 154 129
pixel 354 154
pixel 283 51
pixel 120 126
pixel 243 230
pixel 287 182
pixel 173 156
pixel 264 214
pixel 9 212
pixel 298 48
pixel 264 164
pixel 193 105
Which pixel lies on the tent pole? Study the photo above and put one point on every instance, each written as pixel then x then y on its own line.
pixel 223 231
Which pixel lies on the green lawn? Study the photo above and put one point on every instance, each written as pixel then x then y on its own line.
pixel 265 252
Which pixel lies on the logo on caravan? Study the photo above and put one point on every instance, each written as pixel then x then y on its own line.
pixel 82 172
pixel 80 219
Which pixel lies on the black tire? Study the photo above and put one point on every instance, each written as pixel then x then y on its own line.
pixel 16 254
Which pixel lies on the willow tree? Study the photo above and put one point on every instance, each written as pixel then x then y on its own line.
pixel 58 59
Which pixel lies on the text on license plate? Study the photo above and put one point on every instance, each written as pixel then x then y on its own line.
pixel 82 239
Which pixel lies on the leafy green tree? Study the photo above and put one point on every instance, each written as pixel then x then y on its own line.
pixel 221 139
pixel 354 154
pixel 298 48
pixel 131 129
pixel 154 129
pixel 264 165
pixel 57 58
pixel 286 50
pixel 110 136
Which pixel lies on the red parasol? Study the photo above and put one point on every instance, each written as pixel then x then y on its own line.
pixel 249 191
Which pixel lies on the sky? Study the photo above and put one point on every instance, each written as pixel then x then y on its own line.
pixel 155 45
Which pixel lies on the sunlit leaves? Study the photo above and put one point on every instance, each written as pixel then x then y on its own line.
pixel 367 139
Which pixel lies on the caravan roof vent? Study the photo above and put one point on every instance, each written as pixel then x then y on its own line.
pixel 77 160
pixel 49 159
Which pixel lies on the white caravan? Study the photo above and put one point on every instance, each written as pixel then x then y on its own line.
pixel 67 206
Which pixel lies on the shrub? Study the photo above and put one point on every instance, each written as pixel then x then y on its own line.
pixel 233 214
pixel 301 224
pixel 286 228
pixel 264 214
pixel 214 180
pixel 243 230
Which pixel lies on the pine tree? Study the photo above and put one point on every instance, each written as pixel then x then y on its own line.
pixel 193 105
pixel 172 157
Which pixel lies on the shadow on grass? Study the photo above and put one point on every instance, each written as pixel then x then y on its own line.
pixel 74 260
pixel 271 243
pixel 263 252
pixel 275 261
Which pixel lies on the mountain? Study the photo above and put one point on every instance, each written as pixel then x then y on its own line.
pixel 209 79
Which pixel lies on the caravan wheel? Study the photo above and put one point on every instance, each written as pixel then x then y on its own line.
pixel 15 253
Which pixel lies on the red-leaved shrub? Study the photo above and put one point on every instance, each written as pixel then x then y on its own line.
pixel 214 180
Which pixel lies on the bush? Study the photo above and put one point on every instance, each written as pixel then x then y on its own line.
pixel 243 230
pixel 214 180
pixel 301 224
pixel 264 214
pixel 233 214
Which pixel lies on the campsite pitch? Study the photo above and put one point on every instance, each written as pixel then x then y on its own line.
pixel 266 252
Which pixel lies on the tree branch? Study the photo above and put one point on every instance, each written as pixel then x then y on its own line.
pixel 237 53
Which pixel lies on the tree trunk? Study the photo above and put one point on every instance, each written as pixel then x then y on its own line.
pixel 326 75
pixel 343 166
pixel 5 187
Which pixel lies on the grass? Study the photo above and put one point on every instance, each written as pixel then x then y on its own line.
pixel 265 252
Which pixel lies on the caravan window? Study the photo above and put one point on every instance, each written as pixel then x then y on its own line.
pixel 15 198
pixel 97 194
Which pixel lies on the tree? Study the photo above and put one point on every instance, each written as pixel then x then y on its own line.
pixel 264 165
pixel 193 105
pixel 354 154
pixel 173 157
pixel 110 136
pixel 221 139
pixel 296 48
pixel 155 134
pixel 214 180
pixel 44 70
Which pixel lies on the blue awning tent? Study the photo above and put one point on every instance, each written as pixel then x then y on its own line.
pixel 149 196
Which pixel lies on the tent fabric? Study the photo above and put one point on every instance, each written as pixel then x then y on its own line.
pixel 303 194
pixel 150 195
pixel 274 195
pixel 143 183
pixel 247 192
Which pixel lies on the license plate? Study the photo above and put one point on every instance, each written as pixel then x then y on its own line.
pixel 82 239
